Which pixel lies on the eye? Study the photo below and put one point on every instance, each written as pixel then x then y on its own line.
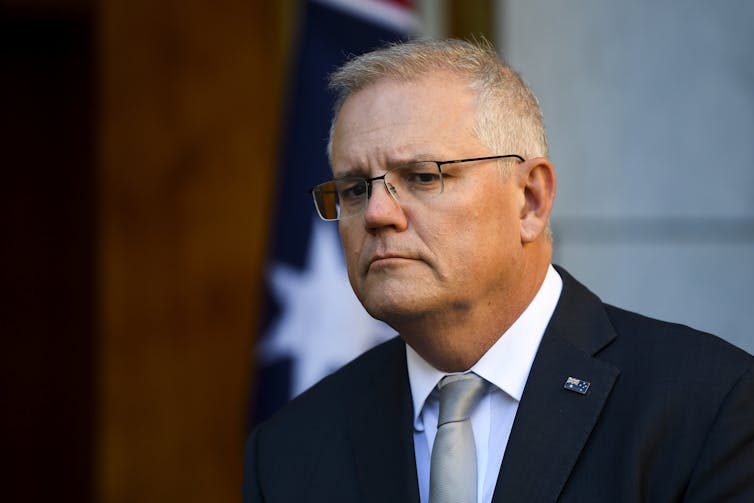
pixel 421 176
pixel 351 189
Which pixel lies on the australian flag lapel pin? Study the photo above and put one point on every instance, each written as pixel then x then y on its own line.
pixel 577 385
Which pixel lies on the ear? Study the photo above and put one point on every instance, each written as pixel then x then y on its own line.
pixel 537 179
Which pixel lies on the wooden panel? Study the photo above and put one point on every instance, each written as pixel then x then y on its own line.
pixel 190 103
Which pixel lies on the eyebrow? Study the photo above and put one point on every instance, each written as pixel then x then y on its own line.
pixel 351 172
pixel 393 163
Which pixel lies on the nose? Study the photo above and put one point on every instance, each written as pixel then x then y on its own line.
pixel 383 209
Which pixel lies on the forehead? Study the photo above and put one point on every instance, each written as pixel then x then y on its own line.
pixel 392 120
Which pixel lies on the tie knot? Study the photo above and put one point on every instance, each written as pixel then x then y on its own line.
pixel 458 395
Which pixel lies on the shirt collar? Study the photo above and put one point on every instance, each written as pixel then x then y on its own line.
pixel 508 362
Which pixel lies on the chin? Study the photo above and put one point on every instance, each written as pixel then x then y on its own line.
pixel 396 310
pixel 397 297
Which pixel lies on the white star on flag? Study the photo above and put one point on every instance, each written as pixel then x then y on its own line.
pixel 322 325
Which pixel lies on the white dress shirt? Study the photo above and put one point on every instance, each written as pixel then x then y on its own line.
pixel 506 366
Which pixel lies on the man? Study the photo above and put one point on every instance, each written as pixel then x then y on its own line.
pixel 510 381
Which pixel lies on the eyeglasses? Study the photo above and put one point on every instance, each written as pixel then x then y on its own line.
pixel 412 183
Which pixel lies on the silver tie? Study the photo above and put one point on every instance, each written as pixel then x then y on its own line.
pixel 453 470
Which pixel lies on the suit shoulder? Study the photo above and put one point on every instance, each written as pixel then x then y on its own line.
pixel 331 394
pixel 354 374
pixel 674 342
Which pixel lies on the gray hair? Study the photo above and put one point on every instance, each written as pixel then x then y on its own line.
pixel 509 120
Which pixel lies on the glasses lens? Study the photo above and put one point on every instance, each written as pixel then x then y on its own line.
pixel 340 198
pixel 347 197
pixel 415 182
pixel 326 201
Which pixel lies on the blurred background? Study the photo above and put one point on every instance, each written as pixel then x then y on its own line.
pixel 149 232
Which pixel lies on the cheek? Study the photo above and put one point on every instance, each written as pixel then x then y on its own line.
pixel 351 250
pixel 484 234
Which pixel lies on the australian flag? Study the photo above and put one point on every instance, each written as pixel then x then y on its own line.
pixel 314 324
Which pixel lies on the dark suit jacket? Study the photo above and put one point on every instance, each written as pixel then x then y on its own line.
pixel 669 416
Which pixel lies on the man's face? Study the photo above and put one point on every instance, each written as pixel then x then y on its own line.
pixel 455 253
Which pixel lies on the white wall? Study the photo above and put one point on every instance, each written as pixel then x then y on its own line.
pixel 650 112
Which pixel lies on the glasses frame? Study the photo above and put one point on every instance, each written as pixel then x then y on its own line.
pixel 370 181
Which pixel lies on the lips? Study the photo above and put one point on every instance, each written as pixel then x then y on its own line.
pixel 385 258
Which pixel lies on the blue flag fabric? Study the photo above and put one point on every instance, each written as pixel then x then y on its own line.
pixel 313 323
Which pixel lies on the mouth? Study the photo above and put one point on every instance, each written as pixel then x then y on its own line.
pixel 388 260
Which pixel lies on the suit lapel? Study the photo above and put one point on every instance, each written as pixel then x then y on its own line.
pixel 381 432
pixel 553 424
